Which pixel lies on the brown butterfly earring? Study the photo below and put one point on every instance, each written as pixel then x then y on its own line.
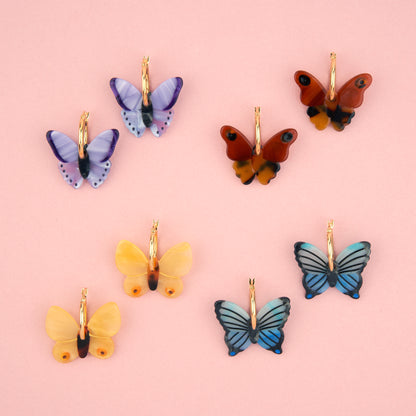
pixel 331 106
pixel 260 161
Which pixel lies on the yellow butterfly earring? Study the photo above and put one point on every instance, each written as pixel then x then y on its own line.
pixel 144 273
pixel 75 340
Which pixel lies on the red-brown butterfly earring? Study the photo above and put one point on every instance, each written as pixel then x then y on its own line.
pixel 260 161
pixel 330 106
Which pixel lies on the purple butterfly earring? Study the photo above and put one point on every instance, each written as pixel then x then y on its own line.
pixel 85 161
pixel 153 109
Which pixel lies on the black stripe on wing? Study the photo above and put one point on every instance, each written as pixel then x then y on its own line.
pixel 236 323
pixel 354 258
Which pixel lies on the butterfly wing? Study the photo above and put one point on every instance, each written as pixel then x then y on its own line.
pixel 66 151
pixel 132 262
pixel 236 323
pixel 349 265
pixel 163 99
pixel 276 149
pixel 315 268
pixel 313 94
pixel 351 94
pixel 130 100
pixel 102 147
pixel 62 328
pixel 240 150
pixel 174 264
pixel 270 321
pixel 104 324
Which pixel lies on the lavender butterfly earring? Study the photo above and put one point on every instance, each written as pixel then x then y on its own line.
pixel 76 163
pixel 152 110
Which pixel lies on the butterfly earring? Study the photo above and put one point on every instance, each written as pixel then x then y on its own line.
pixel 330 106
pixel 144 273
pixel 85 161
pixel 75 340
pixel 321 272
pixel 153 109
pixel 264 328
pixel 260 161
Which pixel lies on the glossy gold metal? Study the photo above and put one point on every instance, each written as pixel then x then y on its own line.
pixel 331 90
pixel 83 313
pixel 83 134
pixel 153 246
pixel 252 303
pixel 330 241
pixel 258 137
pixel 145 80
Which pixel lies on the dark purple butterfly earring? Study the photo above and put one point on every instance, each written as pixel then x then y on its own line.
pixel 152 109
pixel 85 161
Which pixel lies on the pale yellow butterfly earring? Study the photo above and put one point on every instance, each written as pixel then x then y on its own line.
pixel 148 272
pixel 75 339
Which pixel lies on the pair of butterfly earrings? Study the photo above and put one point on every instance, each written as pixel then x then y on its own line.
pixel 154 110
pixel 143 273
pixel 320 272
pixel 324 107
pixel 91 161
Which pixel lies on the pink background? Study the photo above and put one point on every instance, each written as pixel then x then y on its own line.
pixel 341 356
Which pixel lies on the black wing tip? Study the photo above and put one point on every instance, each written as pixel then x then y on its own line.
pixel 298 245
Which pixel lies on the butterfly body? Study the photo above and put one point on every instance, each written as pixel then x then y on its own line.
pixel 156 115
pixel 263 163
pixel 239 330
pixel 345 274
pixel 94 162
pixel 339 110
pixel 83 344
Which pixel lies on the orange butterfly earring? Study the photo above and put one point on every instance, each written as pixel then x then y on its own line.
pixel 144 273
pixel 75 340
pixel 331 106
pixel 261 161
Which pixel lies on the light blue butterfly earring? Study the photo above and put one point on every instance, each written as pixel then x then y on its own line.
pixel 264 328
pixel 321 272
pixel 150 109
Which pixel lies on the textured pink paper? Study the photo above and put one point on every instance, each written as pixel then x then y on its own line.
pixel 341 356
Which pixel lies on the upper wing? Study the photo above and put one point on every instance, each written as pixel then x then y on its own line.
pixel 276 149
pixel 102 147
pixel 315 268
pixel 235 321
pixel 60 325
pixel 127 95
pixel 177 261
pixel 130 260
pixel 65 149
pixel 166 94
pixel 351 94
pixel 238 147
pixel 350 263
pixel 106 321
pixel 312 93
pixel 270 320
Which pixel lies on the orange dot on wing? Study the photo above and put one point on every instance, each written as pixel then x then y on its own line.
pixel 135 291
pixel 101 352
pixel 65 356
pixel 169 291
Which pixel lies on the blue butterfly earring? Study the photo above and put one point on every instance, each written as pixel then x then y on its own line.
pixel 85 161
pixel 152 109
pixel 321 272
pixel 264 328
